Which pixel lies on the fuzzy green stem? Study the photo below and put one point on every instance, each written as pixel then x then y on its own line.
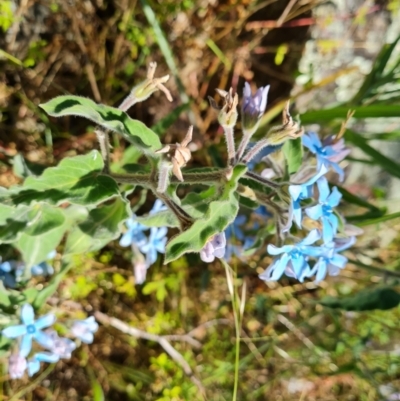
pixel 244 142
pixel 261 180
pixel 102 137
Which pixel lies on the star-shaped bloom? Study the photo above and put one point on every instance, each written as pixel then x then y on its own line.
pixel 214 248
pixel 330 261
pixel 60 346
pixel 84 329
pixel 324 210
pixel 293 259
pixel 30 329
pixel 6 273
pixel 298 193
pixel 328 153
pixel 156 242
pixel 134 234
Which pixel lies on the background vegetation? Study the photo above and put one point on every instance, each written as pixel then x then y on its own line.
pixel 338 340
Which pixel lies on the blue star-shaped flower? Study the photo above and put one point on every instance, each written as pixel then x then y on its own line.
pixel 293 260
pixel 84 329
pixel 298 193
pixel 156 242
pixel 30 329
pixel 330 261
pixel 324 210
pixel 328 153
pixel 134 234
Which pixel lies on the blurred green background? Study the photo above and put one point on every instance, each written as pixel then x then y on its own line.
pixel 339 340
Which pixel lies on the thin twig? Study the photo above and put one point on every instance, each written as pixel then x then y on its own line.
pixel 161 340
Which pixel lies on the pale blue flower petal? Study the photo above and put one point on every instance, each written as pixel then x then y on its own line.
pixel 312 236
pixel 27 314
pixel 43 339
pixel 314 212
pixel 45 321
pixel 14 331
pixel 274 250
pixel 334 198
pixel 323 189
pixel 33 367
pixel 327 231
pixel 321 267
pixel 26 345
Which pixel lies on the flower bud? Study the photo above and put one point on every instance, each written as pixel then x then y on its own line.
pixel 253 107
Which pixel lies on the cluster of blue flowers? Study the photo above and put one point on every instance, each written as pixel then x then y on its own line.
pixel 55 347
pixel 293 260
pixel 11 270
pixel 145 249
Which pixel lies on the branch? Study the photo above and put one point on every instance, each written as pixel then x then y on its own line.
pixel 161 340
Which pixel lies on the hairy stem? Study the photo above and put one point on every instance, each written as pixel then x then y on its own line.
pixel 257 148
pixel 244 142
pixel 104 143
pixel 127 103
pixel 184 218
pixel 230 143
pixel 142 179
pixel 261 180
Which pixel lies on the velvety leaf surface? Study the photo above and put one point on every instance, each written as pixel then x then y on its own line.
pixel 76 180
pixel 108 117
pixel 220 213
pixel 101 226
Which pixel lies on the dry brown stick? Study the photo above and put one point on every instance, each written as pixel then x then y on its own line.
pixel 161 340
pixel 88 65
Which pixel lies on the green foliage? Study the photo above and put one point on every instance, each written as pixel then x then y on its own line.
pixel 101 226
pixel 368 299
pixel 219 215
pixel 76 180
pixel 6 14
pixel 293 151
pixel 108 117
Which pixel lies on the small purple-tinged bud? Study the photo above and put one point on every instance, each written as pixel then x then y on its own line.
pixel 253 107
pixel 214 248
pixel 16 366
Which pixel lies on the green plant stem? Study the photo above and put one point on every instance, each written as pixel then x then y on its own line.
pixel 145 179
pixel 102 136
pixel 264 181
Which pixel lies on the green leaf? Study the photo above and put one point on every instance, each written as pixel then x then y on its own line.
pixel 46 229
pixel 355 200
pixel 220 213
pixel 382 298
pixel 373 78
pixel 369 111
pixel 76 180
pixel 102 225
pixel 4 297
pixel 24 168
pixel 108 117
pixel 13 220
pixel 387 164
pixel 378 220
pixel 293 151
